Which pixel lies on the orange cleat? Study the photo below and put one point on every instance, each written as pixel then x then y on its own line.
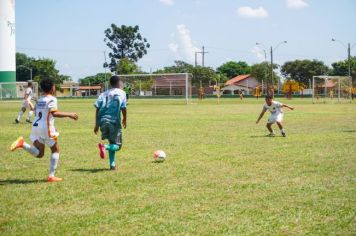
pixel 53 179
pixel 17 144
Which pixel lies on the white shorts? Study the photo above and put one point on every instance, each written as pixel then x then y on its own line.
pixel 278 117
pixel 39 134
pixel 27 103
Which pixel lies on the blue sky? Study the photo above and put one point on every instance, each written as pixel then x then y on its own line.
pixel 72 31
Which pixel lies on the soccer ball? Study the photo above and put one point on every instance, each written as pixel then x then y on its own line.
pixel 159 156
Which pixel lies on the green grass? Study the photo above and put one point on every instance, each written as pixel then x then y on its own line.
pixel 222 175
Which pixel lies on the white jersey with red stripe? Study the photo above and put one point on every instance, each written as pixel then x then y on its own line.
pixel 43 125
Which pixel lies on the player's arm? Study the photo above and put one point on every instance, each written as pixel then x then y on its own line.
pixel 124 116
pixel 260 117
pixel 61 114
pixel 284 105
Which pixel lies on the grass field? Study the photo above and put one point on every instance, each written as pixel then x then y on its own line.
pixel 222 175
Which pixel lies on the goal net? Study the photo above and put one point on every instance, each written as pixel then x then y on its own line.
pixel 10 90
pixel 175 85
pixel 331 88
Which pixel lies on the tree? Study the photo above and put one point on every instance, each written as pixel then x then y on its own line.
pixel 125 42
pixel 341 68
pixel 290 86
pixel 232 69
pixel 304 70
pixel 200 73
pixel 126 66
pixel 98 79
pixel 23 62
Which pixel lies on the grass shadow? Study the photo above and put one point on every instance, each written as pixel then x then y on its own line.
pixel 349 131
pixel 96 170
pixel 21 181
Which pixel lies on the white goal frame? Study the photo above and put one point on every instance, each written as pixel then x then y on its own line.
pixel 187 82
pixel 20 89
pixel 339 79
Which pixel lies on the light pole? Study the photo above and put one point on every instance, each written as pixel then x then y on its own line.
pixel 271 52
pixel 348 57
pixel 30 69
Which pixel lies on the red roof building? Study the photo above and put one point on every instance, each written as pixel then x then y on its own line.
pixel 241 83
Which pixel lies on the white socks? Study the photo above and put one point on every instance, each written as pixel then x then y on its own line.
pixel 30 113
pixel 54 163
pixel 20 115
pixel 31 149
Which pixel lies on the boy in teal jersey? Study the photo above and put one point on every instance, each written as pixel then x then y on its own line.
pixel 109 107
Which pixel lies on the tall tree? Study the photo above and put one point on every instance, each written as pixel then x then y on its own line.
pixel 125 42
pixel 341 68
pixel 232 68
pixel 304 70
pixel 98 79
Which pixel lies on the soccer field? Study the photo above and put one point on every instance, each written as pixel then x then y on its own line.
pixel 222 174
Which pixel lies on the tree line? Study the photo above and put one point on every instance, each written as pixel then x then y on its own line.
pixel 127 46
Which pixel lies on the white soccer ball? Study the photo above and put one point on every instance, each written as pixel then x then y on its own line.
pixel 159 156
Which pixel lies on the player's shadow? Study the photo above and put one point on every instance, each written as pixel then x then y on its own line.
pixel 265 136
pixel 349 131
pixel 21 181
pixel 95 170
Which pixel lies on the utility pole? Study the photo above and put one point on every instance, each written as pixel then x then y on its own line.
pixel 203 55
pixel 195 59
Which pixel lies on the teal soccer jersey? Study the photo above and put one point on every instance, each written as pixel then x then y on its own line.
pixel 110 104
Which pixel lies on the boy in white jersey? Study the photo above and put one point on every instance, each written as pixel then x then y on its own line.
pixel 26 103
pixel 43 130
pixel 276 115
pixel 109 107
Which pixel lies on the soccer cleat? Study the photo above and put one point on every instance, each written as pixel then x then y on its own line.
pixel 53 179
pixel 113 168
pixel 28 121
pixel 102 150
pixel 17 121
pixel 270 135
pixel 17 144
pixel 284 134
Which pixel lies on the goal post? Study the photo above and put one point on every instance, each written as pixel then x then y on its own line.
pixel 11 90
pixel 327 88
pixel 165 85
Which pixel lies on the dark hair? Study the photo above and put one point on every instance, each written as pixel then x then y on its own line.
pixel 268 97
pixel 114 80
pixel 46 84
pixel 29 83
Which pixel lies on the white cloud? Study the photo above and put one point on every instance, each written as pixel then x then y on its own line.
pixel 259 53
pixel 183 46
pixel 167 2
pixel 249 12
pixel 297 4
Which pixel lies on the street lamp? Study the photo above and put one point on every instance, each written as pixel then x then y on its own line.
pixel 271 51
pixel 348 55
pixel 30 69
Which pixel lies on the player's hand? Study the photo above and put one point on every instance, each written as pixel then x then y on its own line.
pixel 73 116
pixel 96 128
pixel 124 123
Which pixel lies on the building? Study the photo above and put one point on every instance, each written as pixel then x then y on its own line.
pixel 241 83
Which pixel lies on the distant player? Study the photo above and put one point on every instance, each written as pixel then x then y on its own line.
pixel 26 103
pixel 276 115
pixel 109 107
pixel 43 130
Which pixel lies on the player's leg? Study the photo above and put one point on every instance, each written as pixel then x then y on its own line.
pixel 53 161
pixel 269 127
pixel 36 150
pixel 280 124
pixel 30 113
pixel 114 146
pixel 22 111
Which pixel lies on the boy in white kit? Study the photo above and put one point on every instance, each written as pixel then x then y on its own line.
pixel 276 115
pixel 26 103
pixel 43 130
